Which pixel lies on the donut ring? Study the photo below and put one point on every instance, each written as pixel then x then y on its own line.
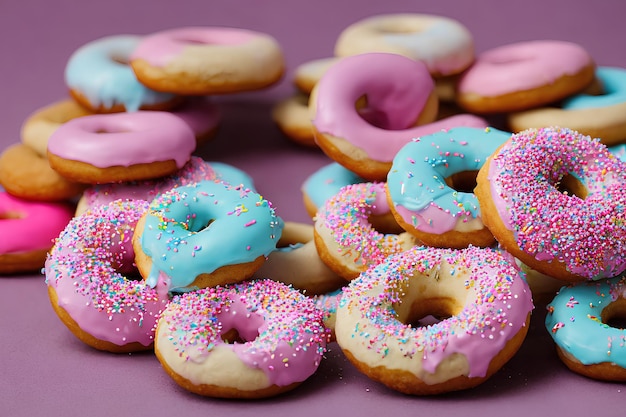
pixel 291 115
pixel 208 60
pixel 87 290
pixel 41 124
pixel 443 44
pixel 579 320
pixel 597 115
pixel 100 79
pixel 28 229
pixel 121 147
pixel 486 300
pixel 552 232
pixel 399 93
pixel 345 239
pixel 253 339
pixel 205 234
pixel 26 174
pixel 420 186
pixel 307 74
pixel 524 75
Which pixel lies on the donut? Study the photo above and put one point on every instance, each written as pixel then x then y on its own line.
pixel 554 199
pixel 429 186
pixel 39 126
pixel 328 304
pixel 399 93
pixel 295 262
pixel 253 339
pixel 193 171
pixel 90 284
pixel 28 229
pixel 345 239
pixel 482 301
pixel 207 60
pixel 100 78
pixel 598 115
pixel 580 321
pixel 116 147
pixel 205 234
pixel 291 115
pixel 445 45
pixel 523 75
pixel 619 151
pixel 307 74
pixel 324 183
pixel 26 174
pixel 202 115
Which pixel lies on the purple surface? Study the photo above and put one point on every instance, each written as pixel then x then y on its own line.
pixel 44 369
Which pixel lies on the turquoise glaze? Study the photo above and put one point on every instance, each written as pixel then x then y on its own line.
pixel 99 72
pixel 327 181
pixel 416 181
pixel 199 228
pixel 232 175
pixel 574 322
pixel 619 151
pixel 613 82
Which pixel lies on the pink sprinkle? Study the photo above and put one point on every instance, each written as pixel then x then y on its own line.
pixel 250 223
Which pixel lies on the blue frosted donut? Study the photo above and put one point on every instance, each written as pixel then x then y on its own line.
pixel 206 234
pixel 100 79
pixel 420 186
pixel 619 151
pixel 578 320
pixel 325 183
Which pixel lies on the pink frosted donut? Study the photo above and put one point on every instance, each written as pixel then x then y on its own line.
pixel 202 115
pixel 207 60
pixel 27 230
pixel 400 93
pixel 87 290
pixel 248 340
pixel 121 146
pixel 345 239
pixel 524 75
pixel 555 199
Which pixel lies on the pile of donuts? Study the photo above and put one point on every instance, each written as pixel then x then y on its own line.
pixel 427 226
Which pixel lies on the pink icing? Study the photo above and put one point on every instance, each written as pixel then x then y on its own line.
pixel 431 219
pixel 84 269
pixel 161 48
pixel 200 114
pixel 30 225
pixel 522 66
pixel 396 87
pixel 124 139
pixel 282 330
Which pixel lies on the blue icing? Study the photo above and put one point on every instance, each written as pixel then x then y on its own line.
pixel 241 227
pixel 419 170
pixel 619 151
pixel 327 181
pixel 613 82
pixel 231 174
pixel 93 70
pixel 574 322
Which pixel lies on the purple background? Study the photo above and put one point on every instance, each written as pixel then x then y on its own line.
pixel 44 369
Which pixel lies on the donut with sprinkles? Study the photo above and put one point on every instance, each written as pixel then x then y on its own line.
pixel 481 299
pixel 555 199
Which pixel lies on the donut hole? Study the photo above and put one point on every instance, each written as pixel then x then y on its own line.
pixel 120 59
pixel 614 315
pixel 463 182
pixel 232 336
pixel 570 185
pixel 401 28
pixel 429 311
pixel 197 228
pixel 12 215
pixel 110 130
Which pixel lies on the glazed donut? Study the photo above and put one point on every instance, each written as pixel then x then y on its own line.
pixel 28 229
pixel 524 75
pixel 597 115
pixel 205 234
pixel 26 174
pixel 291 115
pixel 579 320
pixel 100 306
pixel 253 339
pixel 485 299
pixel 619 151
pixel 296 262
pixel 325 183
pixel 399 93
pixel 194 171
pixel 345 239
pixel 426 183
pixel 39 126
pixel 116 147
pixel 99 77
pixel 443 44
pixel 554 199
pixel 207 60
